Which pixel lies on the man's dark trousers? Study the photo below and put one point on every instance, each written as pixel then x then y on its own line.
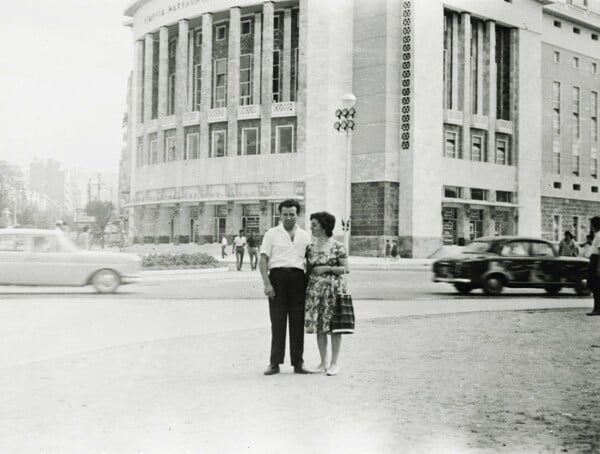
pixel 290 287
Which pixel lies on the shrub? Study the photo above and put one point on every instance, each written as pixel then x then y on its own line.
pixel 170 260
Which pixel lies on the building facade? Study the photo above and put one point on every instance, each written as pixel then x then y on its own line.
pixel 232 110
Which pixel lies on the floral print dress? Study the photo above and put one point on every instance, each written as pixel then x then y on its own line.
pixel 321 290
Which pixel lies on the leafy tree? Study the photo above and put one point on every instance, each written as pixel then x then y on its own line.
pixel 103 212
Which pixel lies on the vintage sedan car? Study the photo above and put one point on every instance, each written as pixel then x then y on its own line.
pixel 492 263
pixel 49 257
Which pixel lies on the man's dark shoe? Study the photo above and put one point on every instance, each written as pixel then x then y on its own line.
pixel 272 369
pixel 301 370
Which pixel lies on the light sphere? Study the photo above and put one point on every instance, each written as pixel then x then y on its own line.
pixel 348 100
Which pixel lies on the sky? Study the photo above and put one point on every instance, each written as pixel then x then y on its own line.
pixel 63 81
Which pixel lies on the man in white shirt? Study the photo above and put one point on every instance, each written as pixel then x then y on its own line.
pixel 594 267
pixel 282 267
pixel 239 245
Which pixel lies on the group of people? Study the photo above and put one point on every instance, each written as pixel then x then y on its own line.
pixel 240 244
pixel 568 246
pixel 302 277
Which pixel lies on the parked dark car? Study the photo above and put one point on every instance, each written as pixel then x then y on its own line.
pixel 492 263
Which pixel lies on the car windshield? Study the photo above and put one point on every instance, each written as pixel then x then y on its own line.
pixel 477 247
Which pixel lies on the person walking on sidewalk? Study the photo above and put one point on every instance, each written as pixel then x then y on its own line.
pixel 252 250
pixel 282 263
pixel 223 247
pixel 239 246
pixel 327 264
pixel 594 271
pixel 567 247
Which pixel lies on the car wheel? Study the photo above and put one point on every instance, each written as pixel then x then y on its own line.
pixel 106 281
pixel 463 289
pixel 553 289
pixel 581 288
pixel 493 285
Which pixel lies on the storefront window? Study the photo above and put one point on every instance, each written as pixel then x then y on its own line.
pixel 251 219
pixel 475 224
pixel 449 225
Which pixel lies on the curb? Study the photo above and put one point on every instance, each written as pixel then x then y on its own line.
pixel 220 269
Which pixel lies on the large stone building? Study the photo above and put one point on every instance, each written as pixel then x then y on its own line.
pixel 233 104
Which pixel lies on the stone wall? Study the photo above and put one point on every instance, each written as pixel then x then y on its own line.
pixel 567 209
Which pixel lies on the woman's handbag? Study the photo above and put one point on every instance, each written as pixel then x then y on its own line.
pixel 342 319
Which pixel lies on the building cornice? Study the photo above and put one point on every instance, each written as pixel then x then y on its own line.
pixel 574 14
pixel 133 6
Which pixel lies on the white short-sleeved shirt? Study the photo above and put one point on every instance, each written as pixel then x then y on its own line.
pixel 282 251
pixel 596 244
pixel 239 241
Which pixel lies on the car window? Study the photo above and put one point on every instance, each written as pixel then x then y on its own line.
pixel 47 243
pixel 12 243
pixel 542 250
pixel 477 247
pixel 515 249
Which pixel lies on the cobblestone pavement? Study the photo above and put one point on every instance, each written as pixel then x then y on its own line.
pixel 523 381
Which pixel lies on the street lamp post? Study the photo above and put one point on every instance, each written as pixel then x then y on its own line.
pixel 346 124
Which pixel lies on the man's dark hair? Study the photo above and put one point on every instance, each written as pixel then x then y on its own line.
pixel 241 232
pixel 289 203
pixel 568 233
pixel 595 222
pixel 325 220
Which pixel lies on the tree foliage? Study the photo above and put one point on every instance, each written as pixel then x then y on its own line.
pixel 102 211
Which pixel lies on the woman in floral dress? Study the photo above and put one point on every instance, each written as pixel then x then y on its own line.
pixel 327 263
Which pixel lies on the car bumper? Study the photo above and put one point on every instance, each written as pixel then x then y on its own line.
pixel 131 279
pixel 452 280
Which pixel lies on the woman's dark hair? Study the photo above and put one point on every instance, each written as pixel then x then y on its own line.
pixel 325 220
pixel 289 203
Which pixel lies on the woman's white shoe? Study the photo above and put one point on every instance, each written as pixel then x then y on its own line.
pixel 333 370
pixel 320 369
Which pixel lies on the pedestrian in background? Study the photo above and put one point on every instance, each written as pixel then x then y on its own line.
pixel 282 264
pixel 567 246
pixel 388 248
pixel 84 238
pixel 593 271
pixel 252 243
pixel 585 249
pixel 223 247
pixel 239 247
pixel 394 251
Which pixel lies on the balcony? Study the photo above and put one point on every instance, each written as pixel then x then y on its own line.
pixel 504 126
pixel 283 109
pixel 169 122
pixel 218 114
pixel 453 117
pixel 479 121
pixel 191 118
pixel 248 112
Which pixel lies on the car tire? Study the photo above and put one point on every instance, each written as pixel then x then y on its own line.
pixel 106 281
pixel 581 288
pixel 463 289
pixel 553 289
pixel 493 285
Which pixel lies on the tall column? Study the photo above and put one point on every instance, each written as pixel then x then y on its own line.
pixel 301 96
pixel 287 54
pixel 181 64
pixel 181 71
pixel 267 79
pixel 233 80
pixel 479 110
pixel 491 142
pixel 455 47
pixel 139 82
pixel 256 57
pixel 163 69
pixel 190 72
pixel 206 101
pixel 465 35
pixel 148 62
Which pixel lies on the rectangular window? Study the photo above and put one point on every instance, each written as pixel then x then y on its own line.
pixel 502 156
pixel 246 79
pixel 221 32
pixel 140 153
pixel 197 86
pixel 556 108
pixel 170 148
pixel 576 122
pixel 276 22
pixel 594 68
pixel 153 151
pixel 452 192
pixel 450 147
pixel 294 92
pixel 479 194
pixel 556 56
pixel 557 23
pixel 576 62
pixel 477 148
pixel 249 141
pixel 503 196
pixel 192 146
pixel 556 227
pixel 171 95
pixel 274 214
pixel 246 27
pixel 198 38
pixel 594 164
pixel 284 139
pixel 219 144
pixel 276 76
pixel 503 79
pixel 594 116
pixel 220 83
pixel 556 156
pixel 577 30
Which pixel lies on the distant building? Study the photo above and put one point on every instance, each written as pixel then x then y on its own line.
pixel 47 177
